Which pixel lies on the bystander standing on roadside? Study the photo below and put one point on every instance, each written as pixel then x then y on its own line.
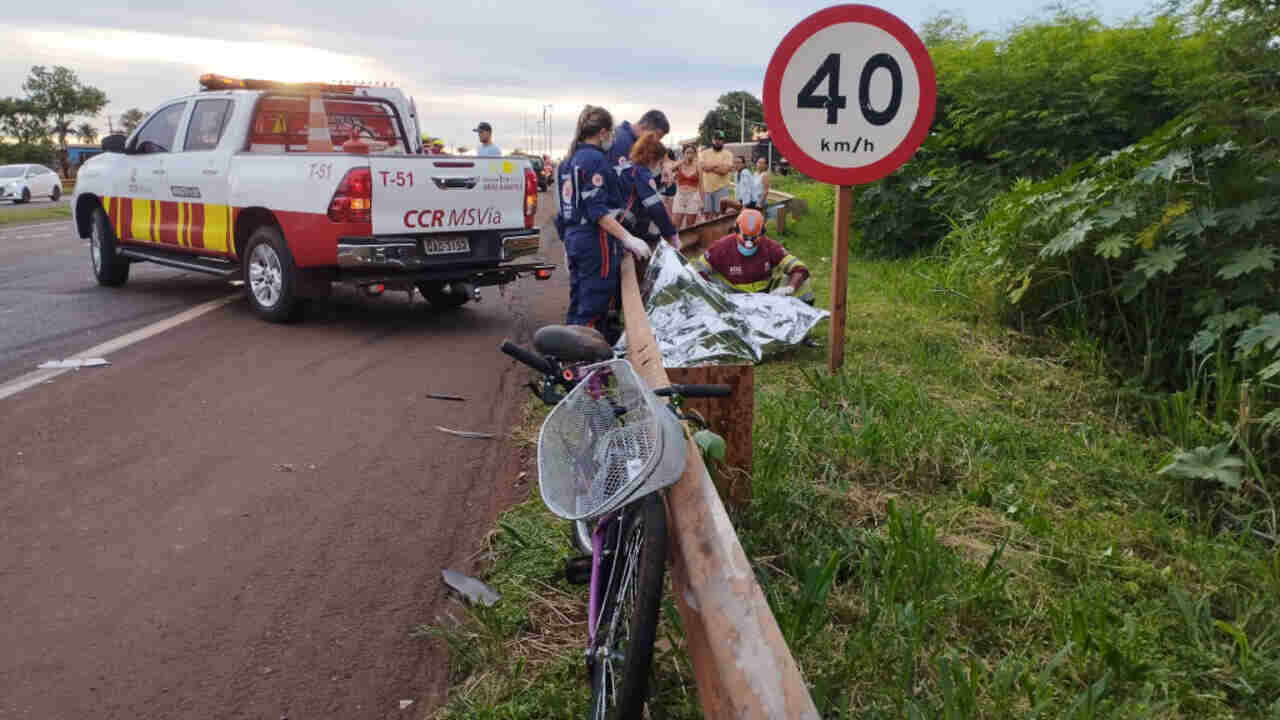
pixel 744 184
pixel 667 184
pixel 688 202
pixel 654 121
pixel 717 166
pixel 487 147
pixel 763 178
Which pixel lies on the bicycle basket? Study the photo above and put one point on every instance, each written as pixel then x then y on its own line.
pixel 609 441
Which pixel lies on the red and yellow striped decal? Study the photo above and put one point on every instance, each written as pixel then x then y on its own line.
pixel 198 226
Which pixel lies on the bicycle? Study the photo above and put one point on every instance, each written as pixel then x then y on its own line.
pixel 605 454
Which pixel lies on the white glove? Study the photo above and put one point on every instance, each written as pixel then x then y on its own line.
pixel 638 247
pixel 783 291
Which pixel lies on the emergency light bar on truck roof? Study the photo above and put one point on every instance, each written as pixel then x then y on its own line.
pixel 209 81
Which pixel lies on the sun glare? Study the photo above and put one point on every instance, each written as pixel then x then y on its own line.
pixel 263 60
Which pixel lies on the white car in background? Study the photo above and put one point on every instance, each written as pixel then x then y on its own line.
pixel 20 183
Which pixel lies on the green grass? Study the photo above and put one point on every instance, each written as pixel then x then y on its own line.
pixel 965 522
pixel 16 216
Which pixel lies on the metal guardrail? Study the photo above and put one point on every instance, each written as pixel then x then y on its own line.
pixel 741 662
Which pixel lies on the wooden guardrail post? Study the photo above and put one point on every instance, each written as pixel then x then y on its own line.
pixel 740 660
pixel 731 418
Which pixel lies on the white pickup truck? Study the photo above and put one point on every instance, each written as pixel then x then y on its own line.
pixel 292 187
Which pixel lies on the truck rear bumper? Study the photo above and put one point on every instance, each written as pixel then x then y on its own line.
pixel 407 254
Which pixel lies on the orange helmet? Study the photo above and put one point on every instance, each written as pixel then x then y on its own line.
pixel 750 224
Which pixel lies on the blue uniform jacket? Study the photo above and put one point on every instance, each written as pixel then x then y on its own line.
pixel 641 198
pixel 588 191
pixel 620 152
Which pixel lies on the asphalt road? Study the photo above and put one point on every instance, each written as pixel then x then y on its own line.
pixel 237 519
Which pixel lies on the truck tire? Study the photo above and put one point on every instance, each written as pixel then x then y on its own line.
pixel 270 277
pixel 109 269
pixel 435 294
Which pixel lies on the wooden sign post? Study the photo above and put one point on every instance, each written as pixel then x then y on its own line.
pixel 843 140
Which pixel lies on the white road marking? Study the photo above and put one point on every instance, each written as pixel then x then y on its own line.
pixel 31 379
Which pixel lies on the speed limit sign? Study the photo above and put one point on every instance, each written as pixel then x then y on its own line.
pixel 849 94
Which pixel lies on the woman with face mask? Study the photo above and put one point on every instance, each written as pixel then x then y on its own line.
pixel 590 202
pixel 750 261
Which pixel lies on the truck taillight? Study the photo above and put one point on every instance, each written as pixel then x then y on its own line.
pixel 530 197
pixel 353 200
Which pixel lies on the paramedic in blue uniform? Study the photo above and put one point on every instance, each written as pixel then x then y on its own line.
pixel 590 203
pixel 643 211
pixel 654 121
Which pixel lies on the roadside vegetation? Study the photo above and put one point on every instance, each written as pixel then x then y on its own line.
pixel 1043 485
pixel 23 214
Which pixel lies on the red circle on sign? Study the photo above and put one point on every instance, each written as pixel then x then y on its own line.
pixel 802 161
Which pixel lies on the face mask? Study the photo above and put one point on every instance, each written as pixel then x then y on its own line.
pixel 747 251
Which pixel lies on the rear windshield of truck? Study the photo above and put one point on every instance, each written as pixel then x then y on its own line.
pixel 283 124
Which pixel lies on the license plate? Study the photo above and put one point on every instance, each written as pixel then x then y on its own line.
pixel 446 245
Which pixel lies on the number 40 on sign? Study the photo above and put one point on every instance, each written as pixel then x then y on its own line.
pixel 823 135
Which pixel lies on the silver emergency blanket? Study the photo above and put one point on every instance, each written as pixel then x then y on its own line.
pixel 698 322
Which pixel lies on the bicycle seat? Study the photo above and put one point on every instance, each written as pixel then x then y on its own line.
pixel 574 343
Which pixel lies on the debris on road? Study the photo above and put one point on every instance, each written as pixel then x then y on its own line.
pixel 470 588
pixel 73 364
pixel 442 396
pixel 466 434
pixel 405 703
pixel 284 467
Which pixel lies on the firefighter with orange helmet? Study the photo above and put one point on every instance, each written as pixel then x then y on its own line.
pixel 750 261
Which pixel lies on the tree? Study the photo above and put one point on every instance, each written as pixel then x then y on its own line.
pixel 88 133
pixel 131 119
pixel 22 120
pixel 727 117
pixel 60 95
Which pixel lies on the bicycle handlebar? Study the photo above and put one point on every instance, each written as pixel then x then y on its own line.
pixel 534 361
pixel 695 391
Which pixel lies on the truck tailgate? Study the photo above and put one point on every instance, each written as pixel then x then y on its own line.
pixel 432 194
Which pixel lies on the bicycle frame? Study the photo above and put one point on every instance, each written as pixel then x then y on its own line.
pixel 596 591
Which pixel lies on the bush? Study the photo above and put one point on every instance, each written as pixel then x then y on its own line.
pixel 1030 104
pixel 21 153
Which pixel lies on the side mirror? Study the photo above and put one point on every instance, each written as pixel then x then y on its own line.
pixel 113 143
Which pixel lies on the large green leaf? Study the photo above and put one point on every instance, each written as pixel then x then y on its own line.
pixel 1242 262
pixel 1113 214
pixel 1206 464
pixel 1266 334
pixel 1193 223
pixel 1067 241
pixel 1165 168
pixel 1269 372
pixel 1245 217
pixel 1113 246
pixel 1161 260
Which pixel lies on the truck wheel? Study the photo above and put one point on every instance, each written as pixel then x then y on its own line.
pixel 109 269
pixel 271 277
pixel 435 294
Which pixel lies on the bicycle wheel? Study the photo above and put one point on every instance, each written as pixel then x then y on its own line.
pixel 629 620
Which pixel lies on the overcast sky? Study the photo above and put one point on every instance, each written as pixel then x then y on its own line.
pixel 463 61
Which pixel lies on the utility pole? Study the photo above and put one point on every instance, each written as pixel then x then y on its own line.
pixel 742 130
